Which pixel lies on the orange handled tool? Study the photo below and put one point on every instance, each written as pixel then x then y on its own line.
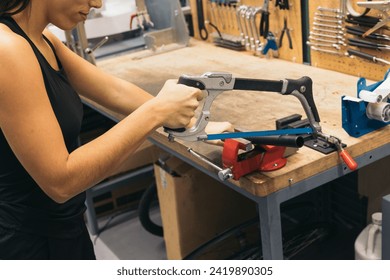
pixel 347 158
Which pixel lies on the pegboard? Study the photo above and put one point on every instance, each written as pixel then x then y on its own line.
pixel 342 62
pixel 226 21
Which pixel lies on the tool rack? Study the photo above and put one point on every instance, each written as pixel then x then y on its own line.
pixel 350 65
pixel 276 23
pixel 304 19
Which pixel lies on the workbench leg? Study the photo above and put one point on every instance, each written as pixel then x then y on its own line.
pixel 386 227
pixel 270 228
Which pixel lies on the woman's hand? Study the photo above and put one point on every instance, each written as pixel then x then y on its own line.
pixel 177 104
pixel 216 128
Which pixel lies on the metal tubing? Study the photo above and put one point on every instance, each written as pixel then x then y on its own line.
pixel 278 140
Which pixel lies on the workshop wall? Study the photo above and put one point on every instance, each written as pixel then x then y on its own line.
pixel 327 45
pixel 224 18
pixel 331 58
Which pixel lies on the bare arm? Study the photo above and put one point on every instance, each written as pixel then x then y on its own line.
pixel 31 128
pixel 111 92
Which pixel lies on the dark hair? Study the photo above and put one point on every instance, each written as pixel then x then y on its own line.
pixel 6 6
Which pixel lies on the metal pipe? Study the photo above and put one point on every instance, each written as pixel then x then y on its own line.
pixel 278 140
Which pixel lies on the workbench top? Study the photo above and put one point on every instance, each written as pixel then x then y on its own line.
pixel 252 110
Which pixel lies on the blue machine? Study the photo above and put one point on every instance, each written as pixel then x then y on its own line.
pixel 370 110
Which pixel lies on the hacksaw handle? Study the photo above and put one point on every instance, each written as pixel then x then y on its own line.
pixel 191 83
pixel 304 86
pixel 349 161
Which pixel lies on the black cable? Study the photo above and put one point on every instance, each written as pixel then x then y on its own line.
pixel 148 197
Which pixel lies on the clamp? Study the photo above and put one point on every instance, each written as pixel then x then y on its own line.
pixel 370 110
pixel 214 83
pixel 260 157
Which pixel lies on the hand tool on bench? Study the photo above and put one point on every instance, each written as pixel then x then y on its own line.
pixel 266 153
pixel 214 83
pixel 370 110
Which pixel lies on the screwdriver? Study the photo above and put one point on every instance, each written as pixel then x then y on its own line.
pixel 367 56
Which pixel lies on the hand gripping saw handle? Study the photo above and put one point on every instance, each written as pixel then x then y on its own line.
pixel 214 83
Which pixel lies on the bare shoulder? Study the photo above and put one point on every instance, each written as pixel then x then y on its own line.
pixel 17 59
pixel 15 53
pixel 12 43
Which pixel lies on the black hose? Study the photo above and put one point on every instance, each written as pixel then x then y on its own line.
pixel 145 203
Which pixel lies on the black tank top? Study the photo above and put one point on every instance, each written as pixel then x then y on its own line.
pixel 23 204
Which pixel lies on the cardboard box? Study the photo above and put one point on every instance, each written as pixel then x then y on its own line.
pixel 195 207
pixel 147 153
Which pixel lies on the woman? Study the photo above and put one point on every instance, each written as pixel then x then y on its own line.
pixel 43 173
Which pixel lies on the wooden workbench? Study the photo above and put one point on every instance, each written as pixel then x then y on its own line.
pixel 258 111
pixel 253 110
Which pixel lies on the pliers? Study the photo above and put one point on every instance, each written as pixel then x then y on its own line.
pixel 287 31
pixel 282 4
